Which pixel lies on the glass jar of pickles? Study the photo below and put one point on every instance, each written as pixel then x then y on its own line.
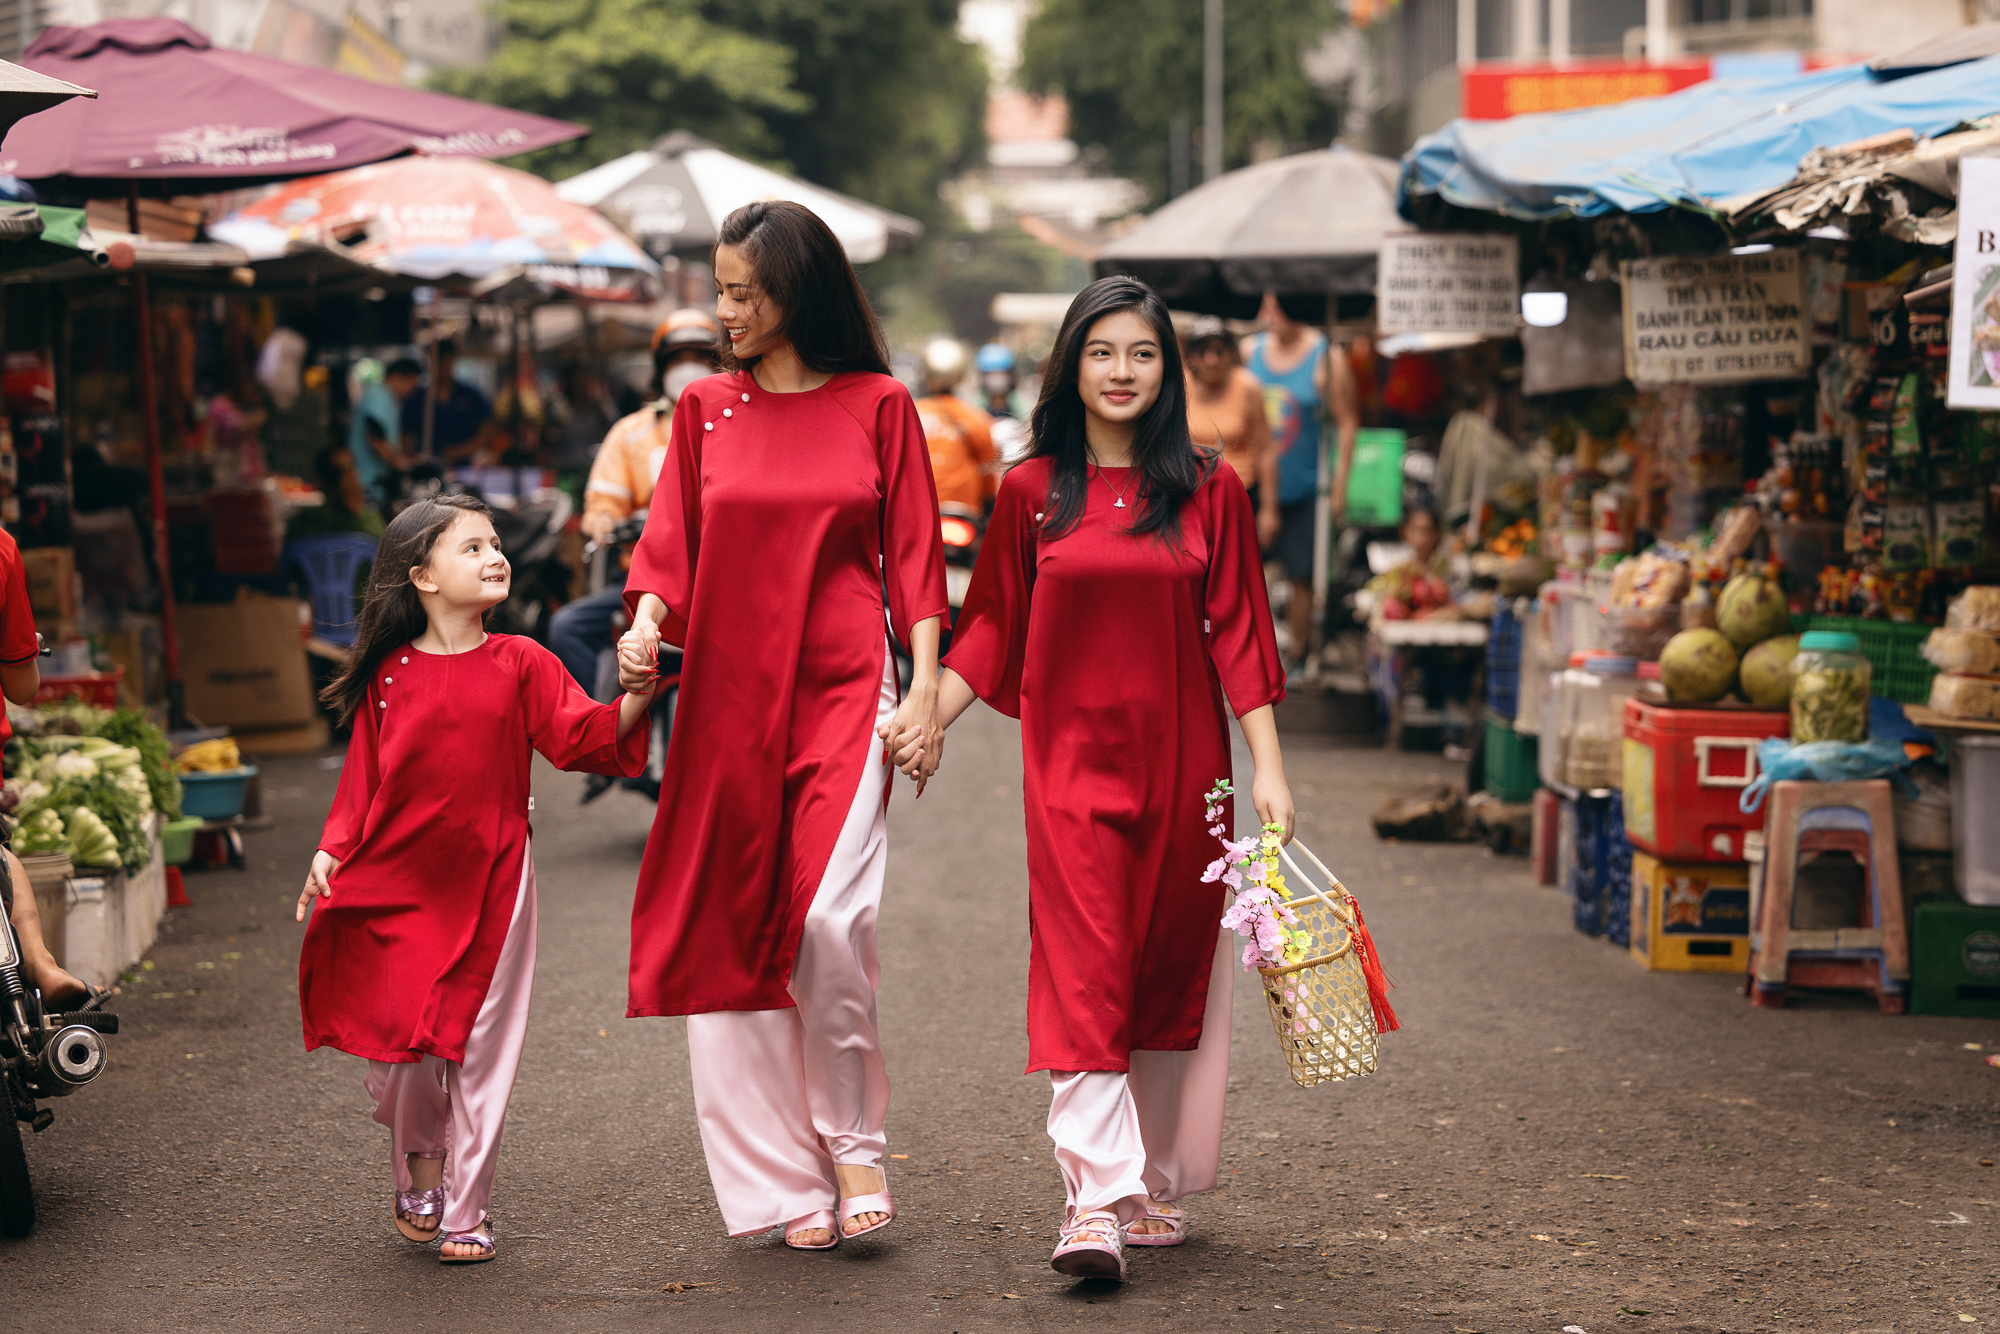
pixel 1829 688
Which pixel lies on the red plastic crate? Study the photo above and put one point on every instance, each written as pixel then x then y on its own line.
pixel 95 688
pixel 1684 772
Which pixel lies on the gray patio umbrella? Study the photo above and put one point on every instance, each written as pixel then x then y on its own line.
pixel 675 194
pixel 1306 225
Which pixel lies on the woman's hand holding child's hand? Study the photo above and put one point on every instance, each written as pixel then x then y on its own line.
pixel 319 881
pixel 638 666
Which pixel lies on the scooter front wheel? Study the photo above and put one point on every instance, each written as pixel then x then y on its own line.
pixel 17 1193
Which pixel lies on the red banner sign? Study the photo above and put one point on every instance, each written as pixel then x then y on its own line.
pixel 1495 92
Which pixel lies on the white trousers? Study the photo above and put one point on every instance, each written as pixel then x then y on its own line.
pixel 445 1109
pixel 783 1095
pixel 1156 1131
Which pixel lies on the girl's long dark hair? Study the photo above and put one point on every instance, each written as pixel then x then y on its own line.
pixel 801 267
pixel 1169 465
pixel 391 615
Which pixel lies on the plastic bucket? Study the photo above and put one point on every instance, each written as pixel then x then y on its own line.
pixel 215 796
pixel 1975 839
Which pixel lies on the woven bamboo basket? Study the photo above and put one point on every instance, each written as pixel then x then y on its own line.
pixel 1320 1006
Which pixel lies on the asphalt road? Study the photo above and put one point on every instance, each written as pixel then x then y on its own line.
pixel 1556 1139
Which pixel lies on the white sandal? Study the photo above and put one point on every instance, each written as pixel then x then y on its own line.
pixel 1092 1246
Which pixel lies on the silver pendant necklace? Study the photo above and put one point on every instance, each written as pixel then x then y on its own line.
pixel 1117 492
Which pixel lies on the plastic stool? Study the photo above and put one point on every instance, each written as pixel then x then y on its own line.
pixel 1873 955
pixel 330 564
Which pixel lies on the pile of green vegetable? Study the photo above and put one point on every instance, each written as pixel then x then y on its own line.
pixel 84 782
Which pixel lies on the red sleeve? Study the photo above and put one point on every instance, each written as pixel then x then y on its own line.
pixel 360 775
pixel 663 561
pixel 572 730
pixel 989 645
pixel 912 543
pixel 17 617
pixel 1242 641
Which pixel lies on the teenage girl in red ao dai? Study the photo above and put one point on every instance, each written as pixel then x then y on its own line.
pixel 421 952
pixel 1118 610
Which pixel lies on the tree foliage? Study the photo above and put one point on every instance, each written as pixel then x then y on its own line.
pixel 880 98
pixel 1130 67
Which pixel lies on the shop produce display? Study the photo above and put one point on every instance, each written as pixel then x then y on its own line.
pixel 129 727
pixel 91 839
pixel 217 756
pixel 1966 651
pixel 1829 689
pixel 1698 666
pixel 42 834
pixel 1973 697
pixel 88 790
pixel 1751 610
pixel 1766 671
pixel 1977 608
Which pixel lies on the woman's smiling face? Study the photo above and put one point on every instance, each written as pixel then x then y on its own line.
pixel 1120 373
pixel 749 318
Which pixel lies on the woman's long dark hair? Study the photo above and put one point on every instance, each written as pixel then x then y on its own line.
pixel 801 267
pixel 391 615
pixel 1169 464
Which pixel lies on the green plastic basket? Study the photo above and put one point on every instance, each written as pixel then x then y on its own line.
pixel 177 840
pixel 1896 665
pixel 1511 773
pixel 1375 479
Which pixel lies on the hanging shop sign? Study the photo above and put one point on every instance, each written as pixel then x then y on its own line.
pixel 1495 91
pixel 1973 376
pixel 1449 282
pixel 1715 320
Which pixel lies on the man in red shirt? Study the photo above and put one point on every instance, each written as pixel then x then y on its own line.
pixel 20 678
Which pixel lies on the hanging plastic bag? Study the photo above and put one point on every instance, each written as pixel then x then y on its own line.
pixel 1779 760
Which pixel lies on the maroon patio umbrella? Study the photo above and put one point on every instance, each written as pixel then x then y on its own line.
pixel 177 115
pixel 183 116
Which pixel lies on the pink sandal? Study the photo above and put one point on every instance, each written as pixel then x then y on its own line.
pixel 1092 1246
pixel 1157 1214
pixel 414 1204
pixel 880 1202
pixel 483 1240
pixel 822 1219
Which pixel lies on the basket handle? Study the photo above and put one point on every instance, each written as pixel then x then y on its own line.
pixel 1334 889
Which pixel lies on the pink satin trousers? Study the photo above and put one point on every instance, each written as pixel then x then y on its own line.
pixel 456 1111
pixel 783 1095
pixel 1156 1130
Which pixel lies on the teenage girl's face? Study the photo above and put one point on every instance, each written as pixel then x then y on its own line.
pixel 748 316
pixel 466 568
pixel 1121 370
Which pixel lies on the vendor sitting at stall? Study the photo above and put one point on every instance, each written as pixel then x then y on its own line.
pixel 462 426
pixel 346 508
pixel 1416 588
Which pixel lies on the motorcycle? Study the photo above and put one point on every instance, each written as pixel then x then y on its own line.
pixel 42 1056
pixel 601 559
pixel 962 528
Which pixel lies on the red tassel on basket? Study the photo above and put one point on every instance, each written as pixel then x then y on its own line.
pixel 1371 969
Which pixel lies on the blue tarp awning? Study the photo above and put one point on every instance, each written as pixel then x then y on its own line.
pixel 1702 144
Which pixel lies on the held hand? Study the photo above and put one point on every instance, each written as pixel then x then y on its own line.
pixel 1273 800
pixel 1268 523
pixel 915 724
pixel 319 881
pixel 638 669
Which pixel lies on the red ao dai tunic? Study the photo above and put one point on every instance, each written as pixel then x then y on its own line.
pixel 1120 656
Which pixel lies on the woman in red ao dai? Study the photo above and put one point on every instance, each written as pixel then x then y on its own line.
pixel 797 489
pixel 421 952
pixel 1118 610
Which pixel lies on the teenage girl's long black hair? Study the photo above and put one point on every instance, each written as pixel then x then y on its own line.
pixel 391 615
pixel 1168 465
pixel 801 267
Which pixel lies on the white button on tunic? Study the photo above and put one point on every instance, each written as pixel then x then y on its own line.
pixel 729 412
pixel 708 426
pixel 406 662
pixel 746 398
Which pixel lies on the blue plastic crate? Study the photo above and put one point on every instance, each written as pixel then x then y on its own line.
pixel 1601 869
pixel 1503 656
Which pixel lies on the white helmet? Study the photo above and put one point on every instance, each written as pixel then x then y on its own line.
pixel 945 360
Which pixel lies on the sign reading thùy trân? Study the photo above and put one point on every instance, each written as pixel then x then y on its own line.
pixel 1715 319
pixel 1449 282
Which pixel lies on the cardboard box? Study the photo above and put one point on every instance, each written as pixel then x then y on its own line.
pixel 315 735
pixel 51 575
pixel 244 663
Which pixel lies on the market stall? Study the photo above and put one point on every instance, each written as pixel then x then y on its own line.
pixel 1754 400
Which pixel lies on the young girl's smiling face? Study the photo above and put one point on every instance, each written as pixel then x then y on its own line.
pixel 466 568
